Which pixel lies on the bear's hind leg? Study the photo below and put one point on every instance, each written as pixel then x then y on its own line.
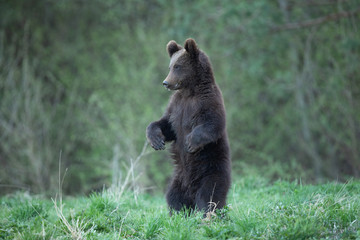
pixel 177 199
pixel 211 194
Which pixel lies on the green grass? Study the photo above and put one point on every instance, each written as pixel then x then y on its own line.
pixel 257 209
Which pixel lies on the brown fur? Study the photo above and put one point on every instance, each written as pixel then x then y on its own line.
pixel 195 124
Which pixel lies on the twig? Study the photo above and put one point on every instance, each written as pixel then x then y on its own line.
pixel 130 172
pixel 122 222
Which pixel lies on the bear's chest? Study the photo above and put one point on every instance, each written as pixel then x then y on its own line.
pixel 183 116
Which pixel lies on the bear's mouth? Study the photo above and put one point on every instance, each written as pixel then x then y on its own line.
pixel 170 87
pixel 177 86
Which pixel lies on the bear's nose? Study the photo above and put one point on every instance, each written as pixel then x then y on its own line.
pixel 165 83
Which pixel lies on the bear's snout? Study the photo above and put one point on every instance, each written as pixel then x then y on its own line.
pixel 165 83
pixel 169 84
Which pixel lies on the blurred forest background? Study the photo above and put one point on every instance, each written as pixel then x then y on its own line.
pixel 80 80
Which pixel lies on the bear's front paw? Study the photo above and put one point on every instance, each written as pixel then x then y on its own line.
pixel 190 144
pixel 156 139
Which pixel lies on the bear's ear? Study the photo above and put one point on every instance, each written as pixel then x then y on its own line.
pixel 191 47
pixel 172 47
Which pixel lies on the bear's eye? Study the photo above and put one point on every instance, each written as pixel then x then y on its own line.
pixel 176 67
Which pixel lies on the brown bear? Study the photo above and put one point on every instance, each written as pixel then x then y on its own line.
pixel 194 122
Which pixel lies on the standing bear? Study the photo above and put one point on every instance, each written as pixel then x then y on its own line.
pixel 194 122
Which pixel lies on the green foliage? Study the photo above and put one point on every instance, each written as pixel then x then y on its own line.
pixel 80 81
pixel 256 210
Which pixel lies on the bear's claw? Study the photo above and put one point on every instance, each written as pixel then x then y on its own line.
pixel 158 144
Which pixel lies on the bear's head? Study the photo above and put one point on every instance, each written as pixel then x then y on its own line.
pixel 184 63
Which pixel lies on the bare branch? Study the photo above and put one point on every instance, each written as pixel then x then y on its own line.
pixel 316 21
pixel 316 3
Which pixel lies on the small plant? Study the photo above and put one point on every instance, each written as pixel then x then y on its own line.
pixel 76 228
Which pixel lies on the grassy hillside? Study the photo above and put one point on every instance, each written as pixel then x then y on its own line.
pixel 256 210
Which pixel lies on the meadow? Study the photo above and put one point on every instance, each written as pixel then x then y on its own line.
pixel 257 209
pixel 81 80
